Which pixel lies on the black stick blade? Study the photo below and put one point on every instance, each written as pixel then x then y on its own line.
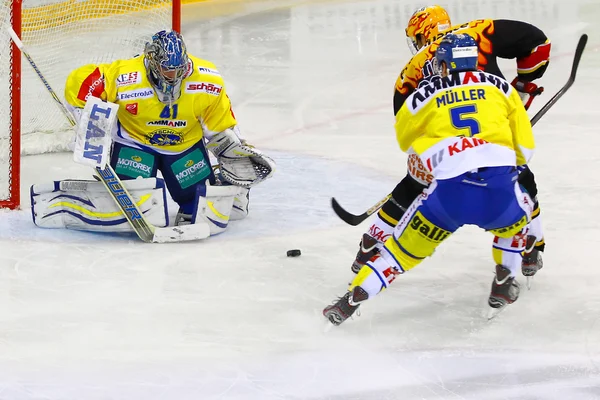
pixel 347 217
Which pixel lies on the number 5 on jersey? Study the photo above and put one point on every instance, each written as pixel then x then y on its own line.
pixel 461 120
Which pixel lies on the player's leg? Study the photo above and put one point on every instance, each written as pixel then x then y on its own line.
pixel 386 219
pixel 509 244
pixel 193 186
pixel 532 257
pixel 421 229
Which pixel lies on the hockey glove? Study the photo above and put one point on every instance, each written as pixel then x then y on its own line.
pixel 240 164
pixel 527 91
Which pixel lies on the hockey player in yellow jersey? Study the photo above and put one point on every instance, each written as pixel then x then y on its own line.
pixel 471 131
pixel 498 38
pixel 172 108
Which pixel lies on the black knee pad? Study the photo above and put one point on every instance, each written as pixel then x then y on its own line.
pixel 402 196
pixel 527 180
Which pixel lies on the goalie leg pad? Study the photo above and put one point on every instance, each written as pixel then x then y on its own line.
pixel 87 206
pixel 240 204
pixel 213 207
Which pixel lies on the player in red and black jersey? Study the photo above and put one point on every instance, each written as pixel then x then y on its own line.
pixel 495 39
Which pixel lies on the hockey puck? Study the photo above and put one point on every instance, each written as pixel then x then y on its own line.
pixel 293 253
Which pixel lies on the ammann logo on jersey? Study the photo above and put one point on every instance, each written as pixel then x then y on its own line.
pixel 420 97
pixel 205 87
pixel 136 94
pixel 129 78
pixel 172 123
pixel 191 169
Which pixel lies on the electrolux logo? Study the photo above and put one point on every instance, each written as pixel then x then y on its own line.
pixel 136 94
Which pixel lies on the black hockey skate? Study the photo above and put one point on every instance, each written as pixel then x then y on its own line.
pixel 532 260
pixel 345 306
pixel 505 291
pixel 368 248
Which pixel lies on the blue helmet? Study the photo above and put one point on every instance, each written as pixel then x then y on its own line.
pixel 167 64
pixel 458 51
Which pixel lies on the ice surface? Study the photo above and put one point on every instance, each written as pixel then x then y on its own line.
pixel 89 316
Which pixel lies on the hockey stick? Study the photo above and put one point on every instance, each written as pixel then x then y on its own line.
pixel 578 53
pixel 352 219
pixel 145 230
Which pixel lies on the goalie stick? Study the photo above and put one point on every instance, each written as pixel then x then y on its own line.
pixel 352 219
pixel 145 230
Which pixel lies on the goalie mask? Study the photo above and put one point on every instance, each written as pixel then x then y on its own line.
pixel 167 64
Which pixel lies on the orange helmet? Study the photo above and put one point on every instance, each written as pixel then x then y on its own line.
pixel 428 22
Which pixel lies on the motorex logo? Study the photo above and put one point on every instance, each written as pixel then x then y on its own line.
pixel 190 170
pixel 134 163
pixel 136 94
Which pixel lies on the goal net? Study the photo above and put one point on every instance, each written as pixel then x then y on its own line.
pixel 60 36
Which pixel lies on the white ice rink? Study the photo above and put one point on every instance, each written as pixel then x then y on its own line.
pixel 93 317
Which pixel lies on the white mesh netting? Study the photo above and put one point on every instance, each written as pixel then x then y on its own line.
pixel 60 36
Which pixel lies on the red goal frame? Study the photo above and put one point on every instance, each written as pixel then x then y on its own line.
pixel 14 173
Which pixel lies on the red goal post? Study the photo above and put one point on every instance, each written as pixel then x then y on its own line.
pixel 60 36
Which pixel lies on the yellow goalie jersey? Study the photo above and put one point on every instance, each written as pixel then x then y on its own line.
pixel 465 121
pixel 202 109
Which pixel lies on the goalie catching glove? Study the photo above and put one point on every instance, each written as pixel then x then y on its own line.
pixel 240 163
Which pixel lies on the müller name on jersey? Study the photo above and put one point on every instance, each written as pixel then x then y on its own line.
pixel 424 93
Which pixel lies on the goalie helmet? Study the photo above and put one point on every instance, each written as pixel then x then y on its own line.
pixel 425 24
pixel 167 64
pixel 458 51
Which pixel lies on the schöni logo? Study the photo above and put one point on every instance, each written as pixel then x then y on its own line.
pixel 208 88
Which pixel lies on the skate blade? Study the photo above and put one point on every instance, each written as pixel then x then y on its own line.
pixel 494 312
pixel 529 282
pixel 327 327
